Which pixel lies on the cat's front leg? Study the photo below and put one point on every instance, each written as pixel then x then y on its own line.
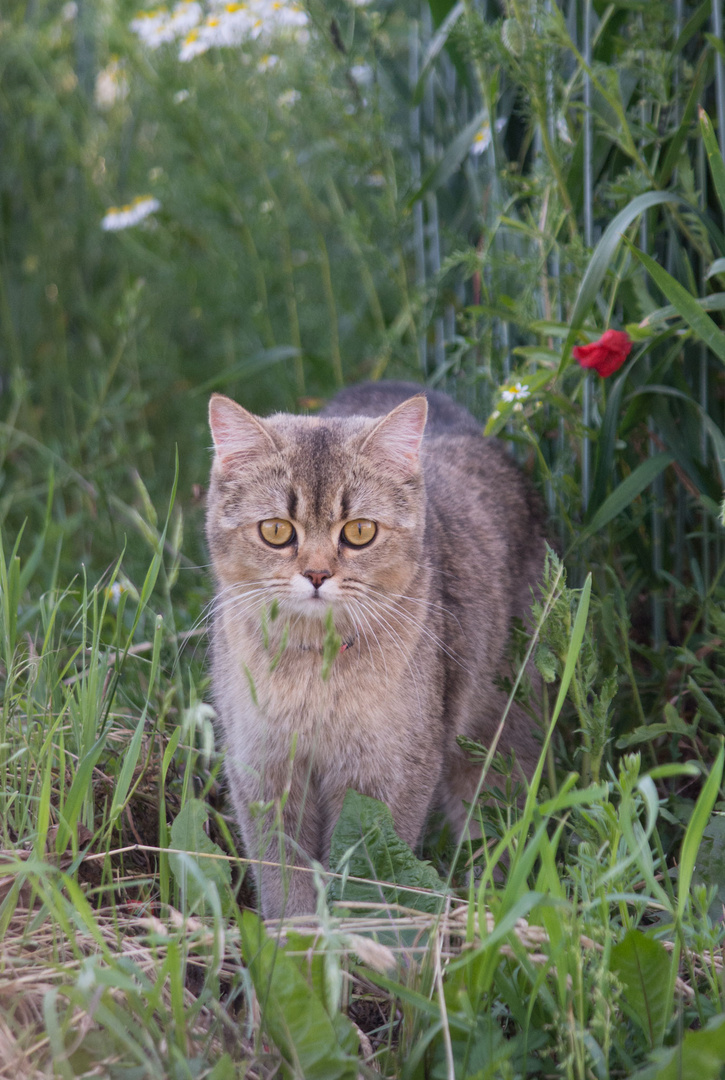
pixel 282 829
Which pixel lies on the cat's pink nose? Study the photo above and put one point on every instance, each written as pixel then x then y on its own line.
pixel 317 576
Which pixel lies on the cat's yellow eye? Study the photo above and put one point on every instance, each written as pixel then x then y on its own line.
pixel 359 532
pixel 277 531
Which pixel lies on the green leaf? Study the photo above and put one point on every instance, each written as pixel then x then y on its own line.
pixel 626 492
pixel 643 966
pixel 718 267
pixel 714 302
pixel 437 42
pixel 187 834
pixel 293 1017
pixel 366 845
pixel 700 1054
pixel 78 790
pixel 695 830
pixel 685 303
pixel 452 158
pixel 714 157
pixel 602 257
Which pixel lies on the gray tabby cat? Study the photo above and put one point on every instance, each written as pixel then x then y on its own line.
pixel 424 540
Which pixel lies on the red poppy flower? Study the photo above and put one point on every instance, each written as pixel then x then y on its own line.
pixel 606 355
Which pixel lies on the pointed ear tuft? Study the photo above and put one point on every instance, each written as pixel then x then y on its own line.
pixel 395 442
pixel 237 433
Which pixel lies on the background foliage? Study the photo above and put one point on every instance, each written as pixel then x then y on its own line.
pixel 454 193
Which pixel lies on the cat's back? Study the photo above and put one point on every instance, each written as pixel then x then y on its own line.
pixel 445 416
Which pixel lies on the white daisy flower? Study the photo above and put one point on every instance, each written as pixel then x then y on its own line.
pixel 159 27
pixel 111 85
pixel 517 392
pixel 192 45
pixel 268 61
pixel 482 138
pixel 114 592
pixel 125 217
pixel 288 99
pixel 362 74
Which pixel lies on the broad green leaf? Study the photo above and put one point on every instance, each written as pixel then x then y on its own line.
pixel 685 303
pixel 699 1056
pixel 292 1016
pixel 626 492
pixel 187 834
pixel 642 965
pixel 366 845
pixel 602 257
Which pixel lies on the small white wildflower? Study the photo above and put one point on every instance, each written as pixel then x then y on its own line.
pixel 362 74
pixel 495 414
pixel 125 217
pixel 192 45
pixel 181 95
pixel 375 179
pixel 517 392
pixel 159 27
pixel 69 11
pixel 114 592
pixel 111 85
pixel 288 99
pixel 268 61
pixel 482 138
pixel 266 207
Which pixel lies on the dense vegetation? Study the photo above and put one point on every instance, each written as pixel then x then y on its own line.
pixel 275 200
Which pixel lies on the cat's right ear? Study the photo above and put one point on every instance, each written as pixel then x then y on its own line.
pixel 395 441
pixel 237 434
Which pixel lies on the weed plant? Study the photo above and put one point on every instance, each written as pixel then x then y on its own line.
pixel 457 193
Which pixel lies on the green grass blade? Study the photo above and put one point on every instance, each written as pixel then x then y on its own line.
pixel 626 492
pixel 685 303
pixel 714 157
pixel 452 158
pixel 693 835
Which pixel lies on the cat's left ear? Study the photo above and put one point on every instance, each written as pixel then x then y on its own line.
pixel 237 434
pixel 395 441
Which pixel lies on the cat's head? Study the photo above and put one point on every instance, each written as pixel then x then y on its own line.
pixel 312 512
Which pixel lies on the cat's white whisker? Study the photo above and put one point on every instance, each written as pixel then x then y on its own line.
pixel 375 639
pixel 395 607
pixel 415 676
